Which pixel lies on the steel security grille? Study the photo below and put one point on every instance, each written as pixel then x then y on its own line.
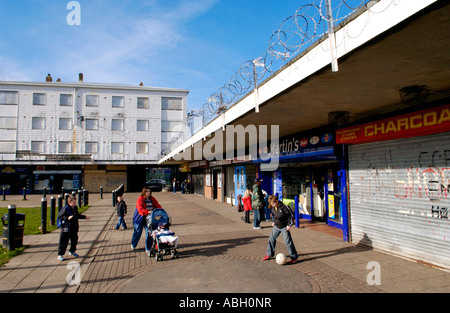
pixel 399 197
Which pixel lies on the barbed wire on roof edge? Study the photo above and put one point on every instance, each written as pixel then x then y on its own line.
pixel 295 34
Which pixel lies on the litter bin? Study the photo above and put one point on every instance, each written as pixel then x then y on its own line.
pixel 18 233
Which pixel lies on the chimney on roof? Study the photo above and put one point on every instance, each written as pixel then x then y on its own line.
pixel 141 84
pixel 80 77
pixel 58 80
pixel 48 78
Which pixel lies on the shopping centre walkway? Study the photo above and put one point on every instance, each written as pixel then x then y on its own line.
pixel 218 254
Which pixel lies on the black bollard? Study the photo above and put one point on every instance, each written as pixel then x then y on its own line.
pixel 44 192
pixel 24 193
pixel 62 191
pixel 4 194
pixel 60 203
pixel 85 197
pixel 11 234
pixel 43 216
pixel 79 199
pixel 101 192
pixel 52 211
pixel 114 198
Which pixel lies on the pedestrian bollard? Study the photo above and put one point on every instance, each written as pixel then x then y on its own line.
pixel 79 198
pixel 66 195
pixel 44 192
pixel 24 194
pixel 60 203
pixel 11 233
pixel 4 194
pixel 85 197
pixel 43 216
pixel 52 211
pixel 113 198
pixel 62 191
pixel 101 192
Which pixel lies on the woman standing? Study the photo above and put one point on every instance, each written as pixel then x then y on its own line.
pixel 144 205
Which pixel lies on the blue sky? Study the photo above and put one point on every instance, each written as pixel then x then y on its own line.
pixel 190 44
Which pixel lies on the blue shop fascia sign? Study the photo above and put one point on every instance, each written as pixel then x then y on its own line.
pixel 315 145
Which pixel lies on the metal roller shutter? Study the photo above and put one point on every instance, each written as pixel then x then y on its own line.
pixel 399 197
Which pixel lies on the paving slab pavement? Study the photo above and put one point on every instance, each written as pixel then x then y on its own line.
pixel 218 254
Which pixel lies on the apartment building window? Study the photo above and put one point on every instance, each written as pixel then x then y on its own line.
pixel 142 125
pixel 171 103
pixel 65 123
pixel 117 124
pixel 37 147
pixel 8 123
pixel 142 147
pixel 142 103
pixel 39 98
pixel 65 100
pixel 117 147
pixel 118 101
pixel 91 101
pixel 91 124
pixel 91 147
pixel 38 123
pixel 65 147
pixel 9 97
pixel 171 126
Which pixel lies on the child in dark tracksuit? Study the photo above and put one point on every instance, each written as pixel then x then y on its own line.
pixel 69 217
pixel 121 212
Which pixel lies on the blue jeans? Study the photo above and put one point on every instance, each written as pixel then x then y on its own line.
pixel 138 233
pixel 121 222
pixel 256 218
pixel 287 240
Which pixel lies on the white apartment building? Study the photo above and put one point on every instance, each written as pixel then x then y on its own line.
pixel 80 134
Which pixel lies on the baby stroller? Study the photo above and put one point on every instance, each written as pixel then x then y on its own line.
pixel 164 241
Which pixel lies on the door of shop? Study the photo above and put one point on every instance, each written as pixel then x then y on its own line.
pixel 240 181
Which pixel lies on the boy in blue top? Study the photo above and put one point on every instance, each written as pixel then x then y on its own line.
pixel 69 217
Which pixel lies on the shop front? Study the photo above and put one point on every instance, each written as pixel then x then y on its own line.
pixel 14 178
pixel 198 176
pixel 311 177
pixel 399 184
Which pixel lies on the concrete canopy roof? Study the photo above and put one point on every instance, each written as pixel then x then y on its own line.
pixel 379 54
